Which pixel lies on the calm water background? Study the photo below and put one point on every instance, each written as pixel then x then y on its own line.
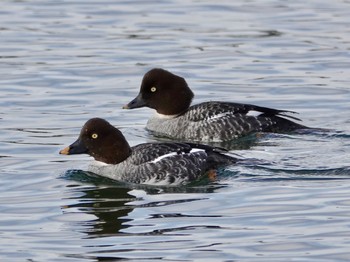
pixel 62 63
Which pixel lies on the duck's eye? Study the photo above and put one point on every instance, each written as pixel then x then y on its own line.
pixel 94 135
pixel 153 89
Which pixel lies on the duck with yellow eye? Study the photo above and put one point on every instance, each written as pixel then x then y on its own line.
pixel 211 121
pixel 167 163
pixel 88 142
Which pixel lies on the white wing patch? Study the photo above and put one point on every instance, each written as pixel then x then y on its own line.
pixel 253 113
pixel 174 154
pixel 221 115
pixel 163 156
pixel 194 150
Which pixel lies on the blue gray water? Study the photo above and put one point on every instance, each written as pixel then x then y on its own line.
pixel 63 62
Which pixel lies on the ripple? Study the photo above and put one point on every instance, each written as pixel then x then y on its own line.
pixel 64 62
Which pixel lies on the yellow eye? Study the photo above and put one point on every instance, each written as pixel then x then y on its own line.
pixel 153 89
pixel 94 136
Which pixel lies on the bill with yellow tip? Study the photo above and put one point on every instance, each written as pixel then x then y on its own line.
pixel 65 151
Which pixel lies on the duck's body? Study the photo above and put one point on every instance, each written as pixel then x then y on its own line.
pixel 212 121
pixel 148 163
pixel 163 164
pixel 220 121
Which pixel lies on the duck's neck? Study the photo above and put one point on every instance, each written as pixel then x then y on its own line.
pixel 114 152
pixel 175 104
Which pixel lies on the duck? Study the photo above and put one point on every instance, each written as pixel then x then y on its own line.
pixel 212 121
pixel 152 163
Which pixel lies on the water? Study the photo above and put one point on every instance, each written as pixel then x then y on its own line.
pixel 64 62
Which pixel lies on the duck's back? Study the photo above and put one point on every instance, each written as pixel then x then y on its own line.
pixel 165 164
pixel 222 121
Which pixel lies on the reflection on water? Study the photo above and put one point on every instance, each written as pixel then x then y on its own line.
pixel 244 220
pixel 108 205
pixel 109 201
pixel 65 62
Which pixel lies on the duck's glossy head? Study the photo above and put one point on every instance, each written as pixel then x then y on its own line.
pixel 163 91
pixel 102 141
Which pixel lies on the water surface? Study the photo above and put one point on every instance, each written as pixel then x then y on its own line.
pixel 64 62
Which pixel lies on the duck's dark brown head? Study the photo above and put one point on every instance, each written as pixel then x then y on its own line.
pixel 163 91
pixel 102 141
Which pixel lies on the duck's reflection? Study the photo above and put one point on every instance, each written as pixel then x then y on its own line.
pixel 103 199
pixel 108 200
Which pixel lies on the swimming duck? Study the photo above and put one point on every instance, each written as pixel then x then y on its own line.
pixel 148 163
pixel 212 121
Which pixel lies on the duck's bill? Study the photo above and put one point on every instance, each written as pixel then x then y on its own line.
pixel 76 148
pixel 135 103
pixel 65 151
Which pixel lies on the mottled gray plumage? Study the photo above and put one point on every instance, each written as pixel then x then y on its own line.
pixel 180 167
pixel 221 121
pixel 148 163
pixel 171 97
